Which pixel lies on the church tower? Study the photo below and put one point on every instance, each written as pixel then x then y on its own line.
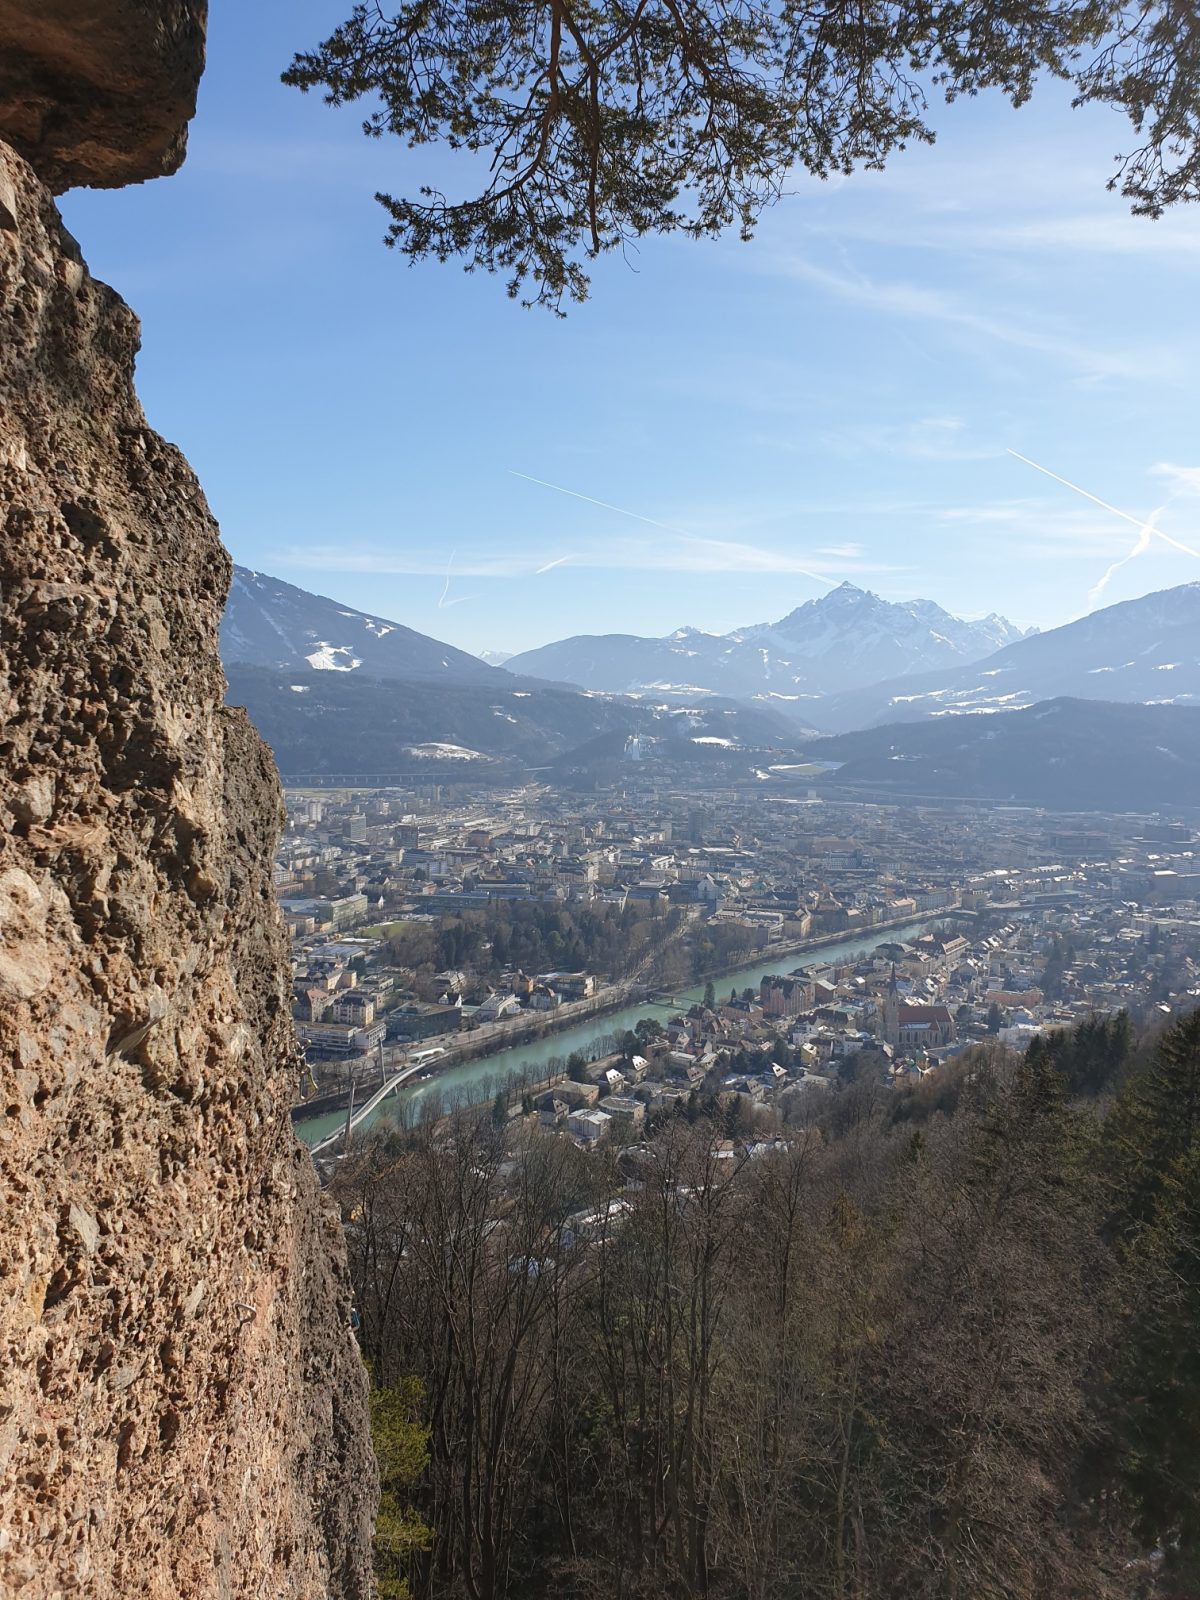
pixel 891 1011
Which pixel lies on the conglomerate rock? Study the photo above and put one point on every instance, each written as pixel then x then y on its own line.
pixel 99 92
pixel 182 1406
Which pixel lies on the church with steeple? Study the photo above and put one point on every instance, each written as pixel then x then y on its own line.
pixel 908 1027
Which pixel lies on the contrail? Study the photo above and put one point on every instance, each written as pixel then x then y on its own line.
pixel 446 590
pixel 621 511
pixel 550 565
pixel 1140 547
pixel 443 603
pixel 1147 528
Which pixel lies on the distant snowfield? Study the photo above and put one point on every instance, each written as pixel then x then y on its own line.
pixel 974 711
pixel 332 658
pixel 444 752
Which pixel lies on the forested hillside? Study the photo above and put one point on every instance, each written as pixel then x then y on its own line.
pixel 1069 754
pixel 337 722
pixel 939 1342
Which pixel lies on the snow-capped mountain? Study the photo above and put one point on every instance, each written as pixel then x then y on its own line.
pixel 846 638
pixel 269 623
pixel 1139 650
pixel 862 637
pixel 332 689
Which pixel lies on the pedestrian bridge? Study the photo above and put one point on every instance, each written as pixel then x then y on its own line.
pixel 393 1083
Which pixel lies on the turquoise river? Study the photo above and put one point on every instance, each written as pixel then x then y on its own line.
pixel 475 1081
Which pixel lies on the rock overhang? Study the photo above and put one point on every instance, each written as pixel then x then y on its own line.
pixel 100 95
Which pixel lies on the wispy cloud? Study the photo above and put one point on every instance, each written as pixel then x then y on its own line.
pixel 1183 482
pixel 1033 525
pixel 605 505
pixel 984 195
pixel 1094 233
pixel 444 600
pixel 946 310
pixel 931 438
pixel 700 551
pixel 680 554
pixel 1091 233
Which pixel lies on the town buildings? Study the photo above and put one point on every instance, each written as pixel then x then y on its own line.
pixel 1002 920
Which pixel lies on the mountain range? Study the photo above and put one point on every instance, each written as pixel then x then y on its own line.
pixel 847 638
pixel 334 689
pixel 1144 650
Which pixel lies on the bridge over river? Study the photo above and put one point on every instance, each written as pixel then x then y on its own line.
pixel 476 1081
pixel 367 1110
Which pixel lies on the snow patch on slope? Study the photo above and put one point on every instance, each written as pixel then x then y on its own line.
pixel 332 658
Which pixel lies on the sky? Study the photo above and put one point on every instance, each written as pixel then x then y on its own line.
pixel 739 426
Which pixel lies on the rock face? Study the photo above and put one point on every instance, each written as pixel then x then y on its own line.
pixel 182 1409
pixel 99 94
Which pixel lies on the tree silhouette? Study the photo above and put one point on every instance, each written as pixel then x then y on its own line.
pixel 599 122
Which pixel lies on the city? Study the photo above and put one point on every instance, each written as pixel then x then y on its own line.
pixel 826 941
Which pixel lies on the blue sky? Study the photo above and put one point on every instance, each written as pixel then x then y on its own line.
pixel 835 400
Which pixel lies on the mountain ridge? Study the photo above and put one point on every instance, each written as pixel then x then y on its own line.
pixel 1064 753
pixel 1145 650
pixel 821 666
pixel 330 722
pixel 270 623
pixel 847 638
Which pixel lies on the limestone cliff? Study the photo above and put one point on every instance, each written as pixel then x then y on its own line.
pixel 182 1407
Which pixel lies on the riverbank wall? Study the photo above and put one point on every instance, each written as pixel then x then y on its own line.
pixel 496 1039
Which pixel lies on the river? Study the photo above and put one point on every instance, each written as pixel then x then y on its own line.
pixel 475 1081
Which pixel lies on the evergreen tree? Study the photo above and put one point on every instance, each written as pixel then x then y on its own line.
pixel 1157 1380
pixel 999 1286
pixel 1153 1138
pixel 1155 1124
pixel 577 1067
pixel 1092 1056
pixel 401 1449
